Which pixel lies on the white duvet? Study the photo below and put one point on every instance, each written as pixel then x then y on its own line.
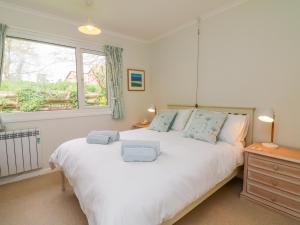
pixel 113 192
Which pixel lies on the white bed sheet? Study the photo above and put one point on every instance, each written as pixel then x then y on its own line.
pixel 113 192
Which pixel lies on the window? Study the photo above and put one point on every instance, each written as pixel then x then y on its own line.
pixel 40 76
pixel 95 88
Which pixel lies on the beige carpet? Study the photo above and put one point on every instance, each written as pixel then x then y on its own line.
pixel 39 201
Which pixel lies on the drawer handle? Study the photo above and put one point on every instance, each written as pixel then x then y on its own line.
pixel 276 167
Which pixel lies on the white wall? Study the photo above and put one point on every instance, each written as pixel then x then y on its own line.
pixel 249 56
pixel 135 55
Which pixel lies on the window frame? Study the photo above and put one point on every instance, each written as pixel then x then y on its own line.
pixel 80 47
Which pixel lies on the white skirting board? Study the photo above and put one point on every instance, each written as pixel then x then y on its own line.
pixel 24 176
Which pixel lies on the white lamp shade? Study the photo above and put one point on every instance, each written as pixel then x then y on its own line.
pixel 152 108
pixel 89 29
pixel 266 115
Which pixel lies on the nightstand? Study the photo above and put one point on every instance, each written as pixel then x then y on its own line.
pixel 272 178
pixel 140 125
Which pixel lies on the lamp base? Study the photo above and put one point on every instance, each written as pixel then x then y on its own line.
pixel 270 145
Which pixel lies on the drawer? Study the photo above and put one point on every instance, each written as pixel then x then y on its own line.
pixel 274 165
pixel 274 180
pixel 273 196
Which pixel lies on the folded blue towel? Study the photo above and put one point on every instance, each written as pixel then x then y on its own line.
pixel 140 151
pixel 98 139
pixel 103 137
pixel 113 134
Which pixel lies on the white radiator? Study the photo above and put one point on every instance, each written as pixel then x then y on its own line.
pixel 19 151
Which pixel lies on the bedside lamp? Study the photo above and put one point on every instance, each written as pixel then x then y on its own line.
pixel 152 109
pixel 268 116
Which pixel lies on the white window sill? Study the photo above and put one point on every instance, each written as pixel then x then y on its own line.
pixel 52 115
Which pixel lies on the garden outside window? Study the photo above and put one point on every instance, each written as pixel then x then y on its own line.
pixel 39 76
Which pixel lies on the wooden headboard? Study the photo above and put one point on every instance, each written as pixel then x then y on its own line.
pixel 230 110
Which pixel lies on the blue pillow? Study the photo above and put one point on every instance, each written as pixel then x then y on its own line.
pixel 163 121
pixel 205 125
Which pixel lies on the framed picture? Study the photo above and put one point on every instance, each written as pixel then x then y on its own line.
pixel 136 80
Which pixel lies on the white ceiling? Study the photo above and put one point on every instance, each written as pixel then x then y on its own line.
pixel 142 19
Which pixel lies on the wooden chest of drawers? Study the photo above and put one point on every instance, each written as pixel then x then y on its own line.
pixel 272 178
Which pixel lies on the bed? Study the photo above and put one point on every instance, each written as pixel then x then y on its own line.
pixel 113 192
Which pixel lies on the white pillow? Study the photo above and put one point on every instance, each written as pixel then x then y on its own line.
pixel 234 130
pixel 181 119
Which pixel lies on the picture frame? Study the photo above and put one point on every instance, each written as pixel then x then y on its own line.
pixel 136 80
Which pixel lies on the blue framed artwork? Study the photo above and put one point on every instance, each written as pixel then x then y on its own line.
pixel 136 80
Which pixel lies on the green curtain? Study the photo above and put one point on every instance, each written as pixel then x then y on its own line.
pixel 114 64
pixel 3 28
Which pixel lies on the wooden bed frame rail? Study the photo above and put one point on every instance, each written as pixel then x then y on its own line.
pixel 198 201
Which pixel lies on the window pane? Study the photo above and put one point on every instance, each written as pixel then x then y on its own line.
pixel 37 77
pixel 95 88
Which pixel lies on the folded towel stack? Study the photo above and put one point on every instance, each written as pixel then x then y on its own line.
pixel 103 137
pixel 140 151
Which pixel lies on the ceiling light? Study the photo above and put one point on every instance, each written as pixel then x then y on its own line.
pixel 89 28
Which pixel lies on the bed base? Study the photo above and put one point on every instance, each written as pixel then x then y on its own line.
pixel 188 208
